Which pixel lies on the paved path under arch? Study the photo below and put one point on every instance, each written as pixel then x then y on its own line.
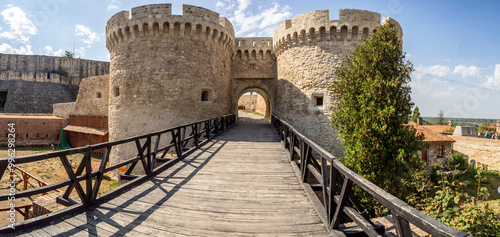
pixel 240 183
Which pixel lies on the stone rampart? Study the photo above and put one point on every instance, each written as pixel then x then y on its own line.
pixel 35 97
pixel 40 68
pixel 157 20
pixel 311 28
pixel 254 58
pixel 166 70
pixel 308 49
pixel 93 97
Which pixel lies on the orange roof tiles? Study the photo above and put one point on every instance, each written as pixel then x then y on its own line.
pixel 437 128
pixel 431 136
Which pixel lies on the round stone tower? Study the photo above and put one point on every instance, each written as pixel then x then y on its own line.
pixel 308 48
pixel 166 70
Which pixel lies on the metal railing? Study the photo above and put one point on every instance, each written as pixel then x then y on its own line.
pixel 336 181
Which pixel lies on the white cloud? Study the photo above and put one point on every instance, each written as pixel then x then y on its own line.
pixel 114 5
pixel 80 52
pixel 493 81
pixel 435 70
pixel 249 23
pixel 50 51
pixel 219 4
pixel 467 71
pixel 24 49
pixel 20 25
pixel 450 93
pixel 6 48
pixel 91 37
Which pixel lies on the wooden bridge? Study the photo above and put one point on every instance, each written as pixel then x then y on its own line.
pixel 236 180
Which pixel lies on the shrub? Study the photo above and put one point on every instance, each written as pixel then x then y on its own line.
pixel 458 161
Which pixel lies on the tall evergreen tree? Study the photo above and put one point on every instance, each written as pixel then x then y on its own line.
pixel 440 118
pixel 373 106
pixel 416 114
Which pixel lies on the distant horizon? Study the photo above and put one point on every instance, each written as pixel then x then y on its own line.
pixel 446 118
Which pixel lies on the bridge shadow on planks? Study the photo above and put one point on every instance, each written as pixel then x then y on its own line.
pixel 105 213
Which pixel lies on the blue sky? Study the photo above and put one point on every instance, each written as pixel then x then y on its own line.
pixel 453 45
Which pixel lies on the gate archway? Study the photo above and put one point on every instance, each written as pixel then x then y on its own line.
pixel 261 92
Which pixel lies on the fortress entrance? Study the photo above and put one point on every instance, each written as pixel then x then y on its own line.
pixel 254 99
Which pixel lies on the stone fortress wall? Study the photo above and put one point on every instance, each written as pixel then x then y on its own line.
pixel 34 83
pixel 308 49
pixel 41 68
pixel 92 99
pixel 166 70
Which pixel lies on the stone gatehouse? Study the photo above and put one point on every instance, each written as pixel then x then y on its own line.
pixel 168 70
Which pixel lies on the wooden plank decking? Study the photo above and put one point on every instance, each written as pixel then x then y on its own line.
pixel 240 183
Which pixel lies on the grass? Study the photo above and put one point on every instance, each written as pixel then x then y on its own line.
pixel 252 112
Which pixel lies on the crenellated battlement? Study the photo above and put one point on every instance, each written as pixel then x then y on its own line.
pixel 254 48
pixel 156 20
pixel 311 28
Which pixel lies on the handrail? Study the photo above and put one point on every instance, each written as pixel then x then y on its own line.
pixel 308 157
pixel 149 153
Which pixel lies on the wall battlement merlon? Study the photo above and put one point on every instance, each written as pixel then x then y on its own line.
pixel 156 20
pixel 353 25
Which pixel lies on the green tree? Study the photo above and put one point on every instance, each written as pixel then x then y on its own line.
pixel 374 103
pixel 68 54
pixel 416 114
pixel 440 118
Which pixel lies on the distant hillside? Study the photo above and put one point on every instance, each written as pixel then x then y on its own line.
pixel 476 122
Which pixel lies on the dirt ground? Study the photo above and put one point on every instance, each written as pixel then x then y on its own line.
pixel 49 171
pixel 482 150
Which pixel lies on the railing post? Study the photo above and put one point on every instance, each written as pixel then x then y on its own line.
pixel 344 194
pixel 292 145
pixel 196 134
pixel 88 175
pixel 402 226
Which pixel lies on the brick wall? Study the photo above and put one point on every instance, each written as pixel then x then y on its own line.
pixel 32 129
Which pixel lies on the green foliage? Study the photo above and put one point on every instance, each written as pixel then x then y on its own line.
pixel 252 112
pixel 486 128
pixel 68 54
pixel 440 120
pixel 373 105
pixel 61 71
pixel 456 208
pixel 416 114
pixel 458 161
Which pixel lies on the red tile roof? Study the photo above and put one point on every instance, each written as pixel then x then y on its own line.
pixel 429 135
pixel 437 128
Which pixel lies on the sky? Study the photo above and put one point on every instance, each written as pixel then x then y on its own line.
pixel 453 44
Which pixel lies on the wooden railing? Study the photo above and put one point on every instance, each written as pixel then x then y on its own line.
pixel 336 181
pixel 149 153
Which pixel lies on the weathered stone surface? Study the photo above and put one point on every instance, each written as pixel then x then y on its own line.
pixel 253 103
pixel 35 82
pixel 41 68
pixel 93 96
pixel 160 67
pixel 35 97
pixel 308 48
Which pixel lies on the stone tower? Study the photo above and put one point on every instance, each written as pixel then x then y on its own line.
pixel 166 70
pixel 308 48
